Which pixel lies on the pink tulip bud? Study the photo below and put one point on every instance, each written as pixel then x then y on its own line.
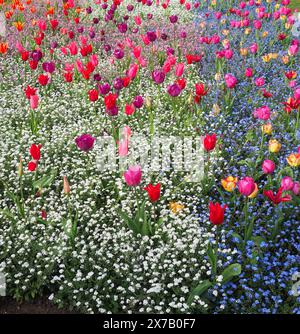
pixel 268 166
pixel 34 101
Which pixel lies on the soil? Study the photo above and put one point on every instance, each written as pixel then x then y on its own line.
pixel 41 306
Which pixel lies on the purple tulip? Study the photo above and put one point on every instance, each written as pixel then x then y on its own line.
pixel 122 27
pixel 118 84
pixel 118 53
pixel 174 90
pixel 85 142
pixel 158 76
pixel 36 55
pixel 113 111
pixel 151 35
pixel 49 67
pixel 138 101
pixel 104 89
pixel 173 18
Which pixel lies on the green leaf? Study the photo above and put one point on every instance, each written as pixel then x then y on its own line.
pixel 199 290
pixel 257 240
pixel 236 235
pixel 212 258
pixel 44 182
pixel 232 270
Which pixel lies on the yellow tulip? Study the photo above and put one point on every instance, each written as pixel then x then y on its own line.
pixel 267 128
pixel 294 159
pixel 229 183
pixel 274 146
pixel 176 207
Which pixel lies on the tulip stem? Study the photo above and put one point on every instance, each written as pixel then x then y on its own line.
pixel 297 123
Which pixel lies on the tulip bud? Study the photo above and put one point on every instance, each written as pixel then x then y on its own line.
pixel 67 188
pixel 216 109
pixel 190 99
pixel 218 76
pixel 20 167
pixel 148 102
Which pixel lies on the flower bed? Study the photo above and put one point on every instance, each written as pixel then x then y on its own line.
pixel 142 238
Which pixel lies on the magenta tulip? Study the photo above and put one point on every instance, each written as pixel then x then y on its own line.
pixel 85 142
pixel 133 176
pixel 287 183
pixel 246 186
pixel 268 166
pixel 230 81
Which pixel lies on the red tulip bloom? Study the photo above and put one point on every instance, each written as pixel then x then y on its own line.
pixel 216 213
pixel 110 101
pixel 68 76
pixel 278 198
pixel 209 142
pixel 43 79
pixel 35 151
pixel 153 192
pixel 93 95
pixel 32 166
pixel 29 91
pixel 201 89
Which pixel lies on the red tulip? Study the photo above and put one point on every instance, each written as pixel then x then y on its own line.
pixel 110 101
pixel 278 198
pixel 93 95
pixel 209 142
pixel 201 90
pixel 153 192
pixel 216 213
pixel 35 151
pixel 43 79
pixel 32 166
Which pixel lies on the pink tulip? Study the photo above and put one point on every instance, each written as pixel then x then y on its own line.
pixel 138 20
pixel 228 54
pixel 268 166
pixel 123 147
pixel 142 61
pixel 73 48
pixel 230 81
pixel 296 188
pixel 94 60
pixel 287 183
pixel 259 82
pixel 34 101
pixel 262 113
pixel 253 48
pixel 179 69
pixel 246 186
pixel 249 72
pixel 293 49
pixel 132 72
pixel 133 176
pixel 257 24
